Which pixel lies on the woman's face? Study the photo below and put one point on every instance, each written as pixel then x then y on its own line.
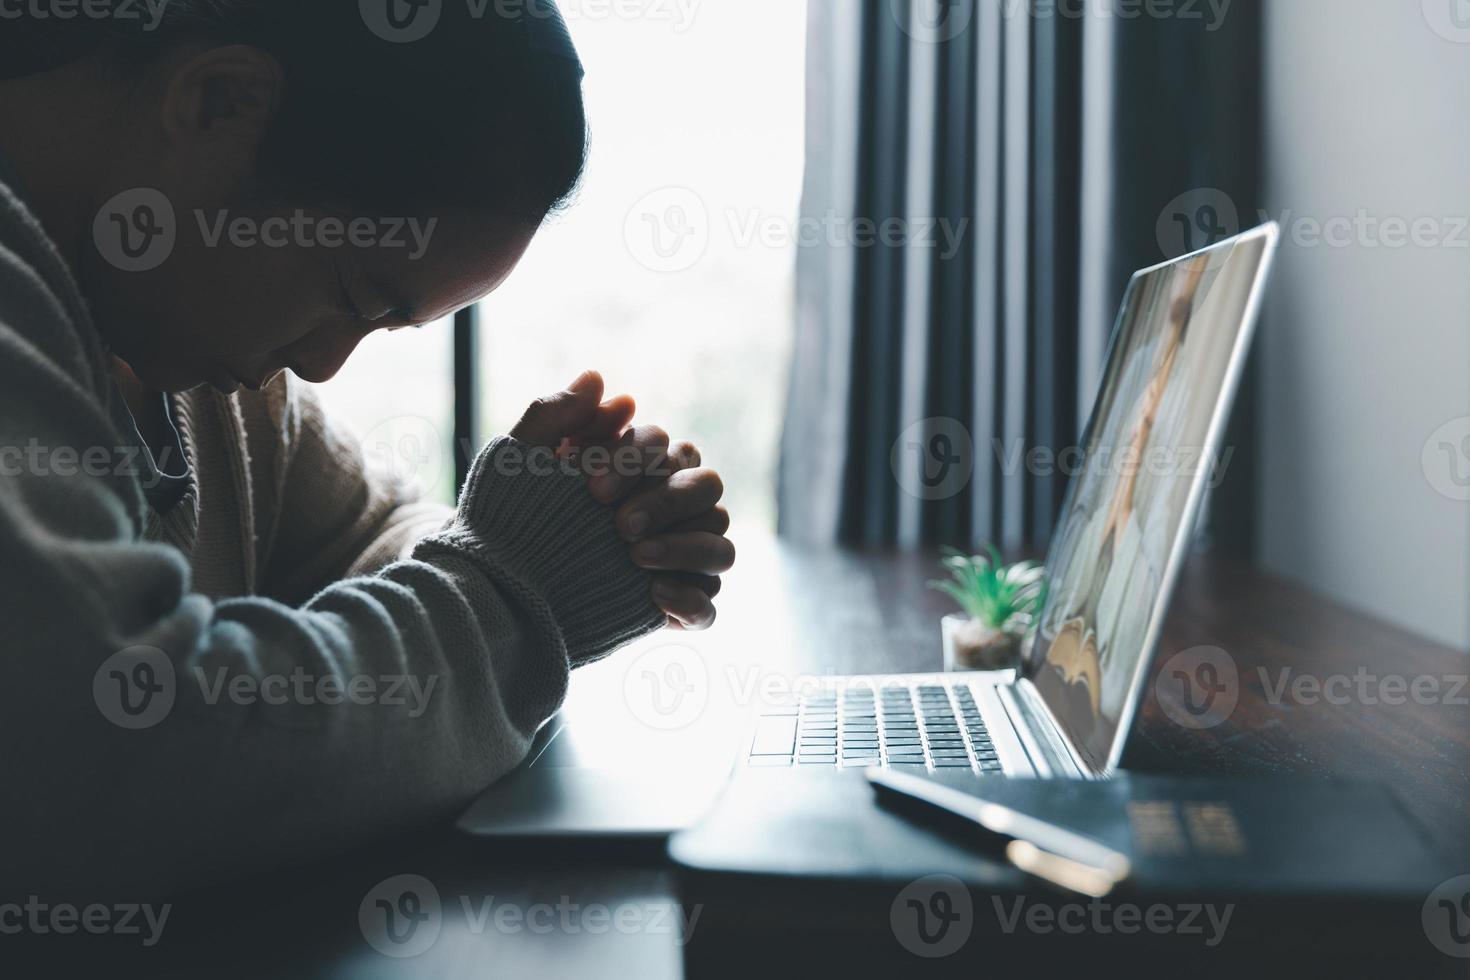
pixel 239 295
pixel 193 279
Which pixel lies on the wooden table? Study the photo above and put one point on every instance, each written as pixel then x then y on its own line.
pixel 789 612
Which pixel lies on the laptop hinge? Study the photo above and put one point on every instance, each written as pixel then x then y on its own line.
pixel 1039 724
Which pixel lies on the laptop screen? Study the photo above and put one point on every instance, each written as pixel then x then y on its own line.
pixel 1151 449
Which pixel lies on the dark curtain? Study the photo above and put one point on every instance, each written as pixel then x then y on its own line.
pixel 1000 170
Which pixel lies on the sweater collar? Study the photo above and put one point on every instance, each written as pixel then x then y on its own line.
pixel 11 179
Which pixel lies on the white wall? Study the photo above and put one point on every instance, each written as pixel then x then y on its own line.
pixel 1367 350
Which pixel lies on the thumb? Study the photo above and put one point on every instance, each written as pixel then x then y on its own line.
pixel 552 419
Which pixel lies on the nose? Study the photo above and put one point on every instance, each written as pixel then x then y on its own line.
pixel 319 356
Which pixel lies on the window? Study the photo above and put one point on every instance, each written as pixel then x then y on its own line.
pixel 672 273
pixel 397 394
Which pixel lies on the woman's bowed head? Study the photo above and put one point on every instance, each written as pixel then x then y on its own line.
pixel 251 186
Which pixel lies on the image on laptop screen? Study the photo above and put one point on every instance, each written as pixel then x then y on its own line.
pixel 1150 450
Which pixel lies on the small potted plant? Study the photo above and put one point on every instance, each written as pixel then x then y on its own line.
pixel 999 602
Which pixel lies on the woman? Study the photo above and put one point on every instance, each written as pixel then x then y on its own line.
pixel 231 645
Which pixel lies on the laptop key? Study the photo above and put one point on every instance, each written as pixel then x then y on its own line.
pixel 768 761
pixel 774 735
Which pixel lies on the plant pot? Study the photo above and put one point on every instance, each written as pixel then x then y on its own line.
pixel 970 645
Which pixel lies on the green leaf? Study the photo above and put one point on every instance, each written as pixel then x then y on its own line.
pixel 990 592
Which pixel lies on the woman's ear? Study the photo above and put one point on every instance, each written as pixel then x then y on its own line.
pixel 218 105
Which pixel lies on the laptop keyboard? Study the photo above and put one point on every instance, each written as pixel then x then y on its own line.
pixel 923 727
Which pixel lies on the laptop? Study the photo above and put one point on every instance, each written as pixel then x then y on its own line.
pixel 1178 351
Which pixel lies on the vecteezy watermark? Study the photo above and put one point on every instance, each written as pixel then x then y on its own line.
pixel 137 688
pixel 1074 461
pixel 39 918
pixel 1210 13
pixel 147 13
pixel 1446 459
pixel 1446 917
pixel 941 21
pixel 671 230
pixel 304 689
pixel 303 230
pixel 944 236
pixel 933 459
pixel 1198 688
pixel 1450 19
pixel 667 687
pixel 569 918
pixel 1196 219
pixel 933 917
pixel 138 230
pixel 750 684
pixel 407 21
pixel 403 916
pixel 1364 229
pixel 1364 687
pixel 1101 918
pixel 36 458
pixel 1204 216
pixel 668 230
pixel 933 21
pixel 401 21
pixel 409 449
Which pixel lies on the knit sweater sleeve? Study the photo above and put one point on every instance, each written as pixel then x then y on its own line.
pixel 324 509
pixel 159 739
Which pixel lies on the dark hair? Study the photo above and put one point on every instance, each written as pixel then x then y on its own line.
pixel 484 108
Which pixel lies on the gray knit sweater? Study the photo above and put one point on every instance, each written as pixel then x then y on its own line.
pixel 259 675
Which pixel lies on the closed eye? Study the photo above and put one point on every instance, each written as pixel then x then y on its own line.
pixel 398 318
pixel 348 306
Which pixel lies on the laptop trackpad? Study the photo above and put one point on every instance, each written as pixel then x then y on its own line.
pixel 583 781
pixel 567 802
pixel 582 745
